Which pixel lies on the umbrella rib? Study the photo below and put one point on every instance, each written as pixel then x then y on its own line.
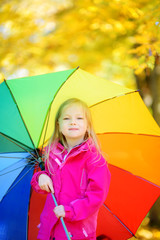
pixel 113 98
pixel 15 157
pixel 22 118
pixel 136 176
pixel 48 116
pixel 11 157
pixel 51 104
pixel 19 180
pixel 29 164
pixel 141 134
pixel 119 221
pixel 30 159
pixel 8 138
pixel 143 179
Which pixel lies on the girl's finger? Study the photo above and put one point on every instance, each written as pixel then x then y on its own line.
pixel 51 187
pixel 45 183
pixel 59 211
pixel 47 189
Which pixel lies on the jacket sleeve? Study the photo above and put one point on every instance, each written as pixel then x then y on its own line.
pixel 95 194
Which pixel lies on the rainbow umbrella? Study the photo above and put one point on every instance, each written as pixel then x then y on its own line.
pixel 128 134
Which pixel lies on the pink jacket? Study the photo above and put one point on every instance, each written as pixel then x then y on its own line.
pixel 81 184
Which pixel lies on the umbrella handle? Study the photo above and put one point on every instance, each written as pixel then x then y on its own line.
pixel 61 218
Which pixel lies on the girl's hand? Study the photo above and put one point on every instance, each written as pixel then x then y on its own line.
pixel 45 183
pixel 59 211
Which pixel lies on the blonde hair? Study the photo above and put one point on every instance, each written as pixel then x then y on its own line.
pixel 57 135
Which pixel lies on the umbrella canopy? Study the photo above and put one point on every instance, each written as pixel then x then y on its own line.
pixel 127 132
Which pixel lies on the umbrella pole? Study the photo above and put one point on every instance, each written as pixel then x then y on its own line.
pixel 61 218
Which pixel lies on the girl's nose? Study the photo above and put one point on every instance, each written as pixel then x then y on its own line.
pixel 72 122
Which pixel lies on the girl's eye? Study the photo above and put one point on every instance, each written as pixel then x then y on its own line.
pixel 80 118
pixel 66 118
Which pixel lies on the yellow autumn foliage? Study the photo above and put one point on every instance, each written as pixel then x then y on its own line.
pixel 46 36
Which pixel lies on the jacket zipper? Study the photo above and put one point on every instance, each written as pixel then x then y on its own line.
pixel 65 157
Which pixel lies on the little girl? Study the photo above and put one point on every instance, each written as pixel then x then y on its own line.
pixel 77 174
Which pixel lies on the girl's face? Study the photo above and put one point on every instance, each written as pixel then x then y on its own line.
pixel 73 124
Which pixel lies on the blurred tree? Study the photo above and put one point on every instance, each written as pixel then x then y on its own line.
pixel 106 38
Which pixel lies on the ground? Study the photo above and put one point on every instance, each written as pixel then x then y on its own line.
pixel 145 232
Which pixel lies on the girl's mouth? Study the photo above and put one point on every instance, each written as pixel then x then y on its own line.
pixel 73 129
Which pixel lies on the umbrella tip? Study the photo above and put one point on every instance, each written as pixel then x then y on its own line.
pixel 41 164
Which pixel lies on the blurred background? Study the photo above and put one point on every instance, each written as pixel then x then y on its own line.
pixel 118 40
